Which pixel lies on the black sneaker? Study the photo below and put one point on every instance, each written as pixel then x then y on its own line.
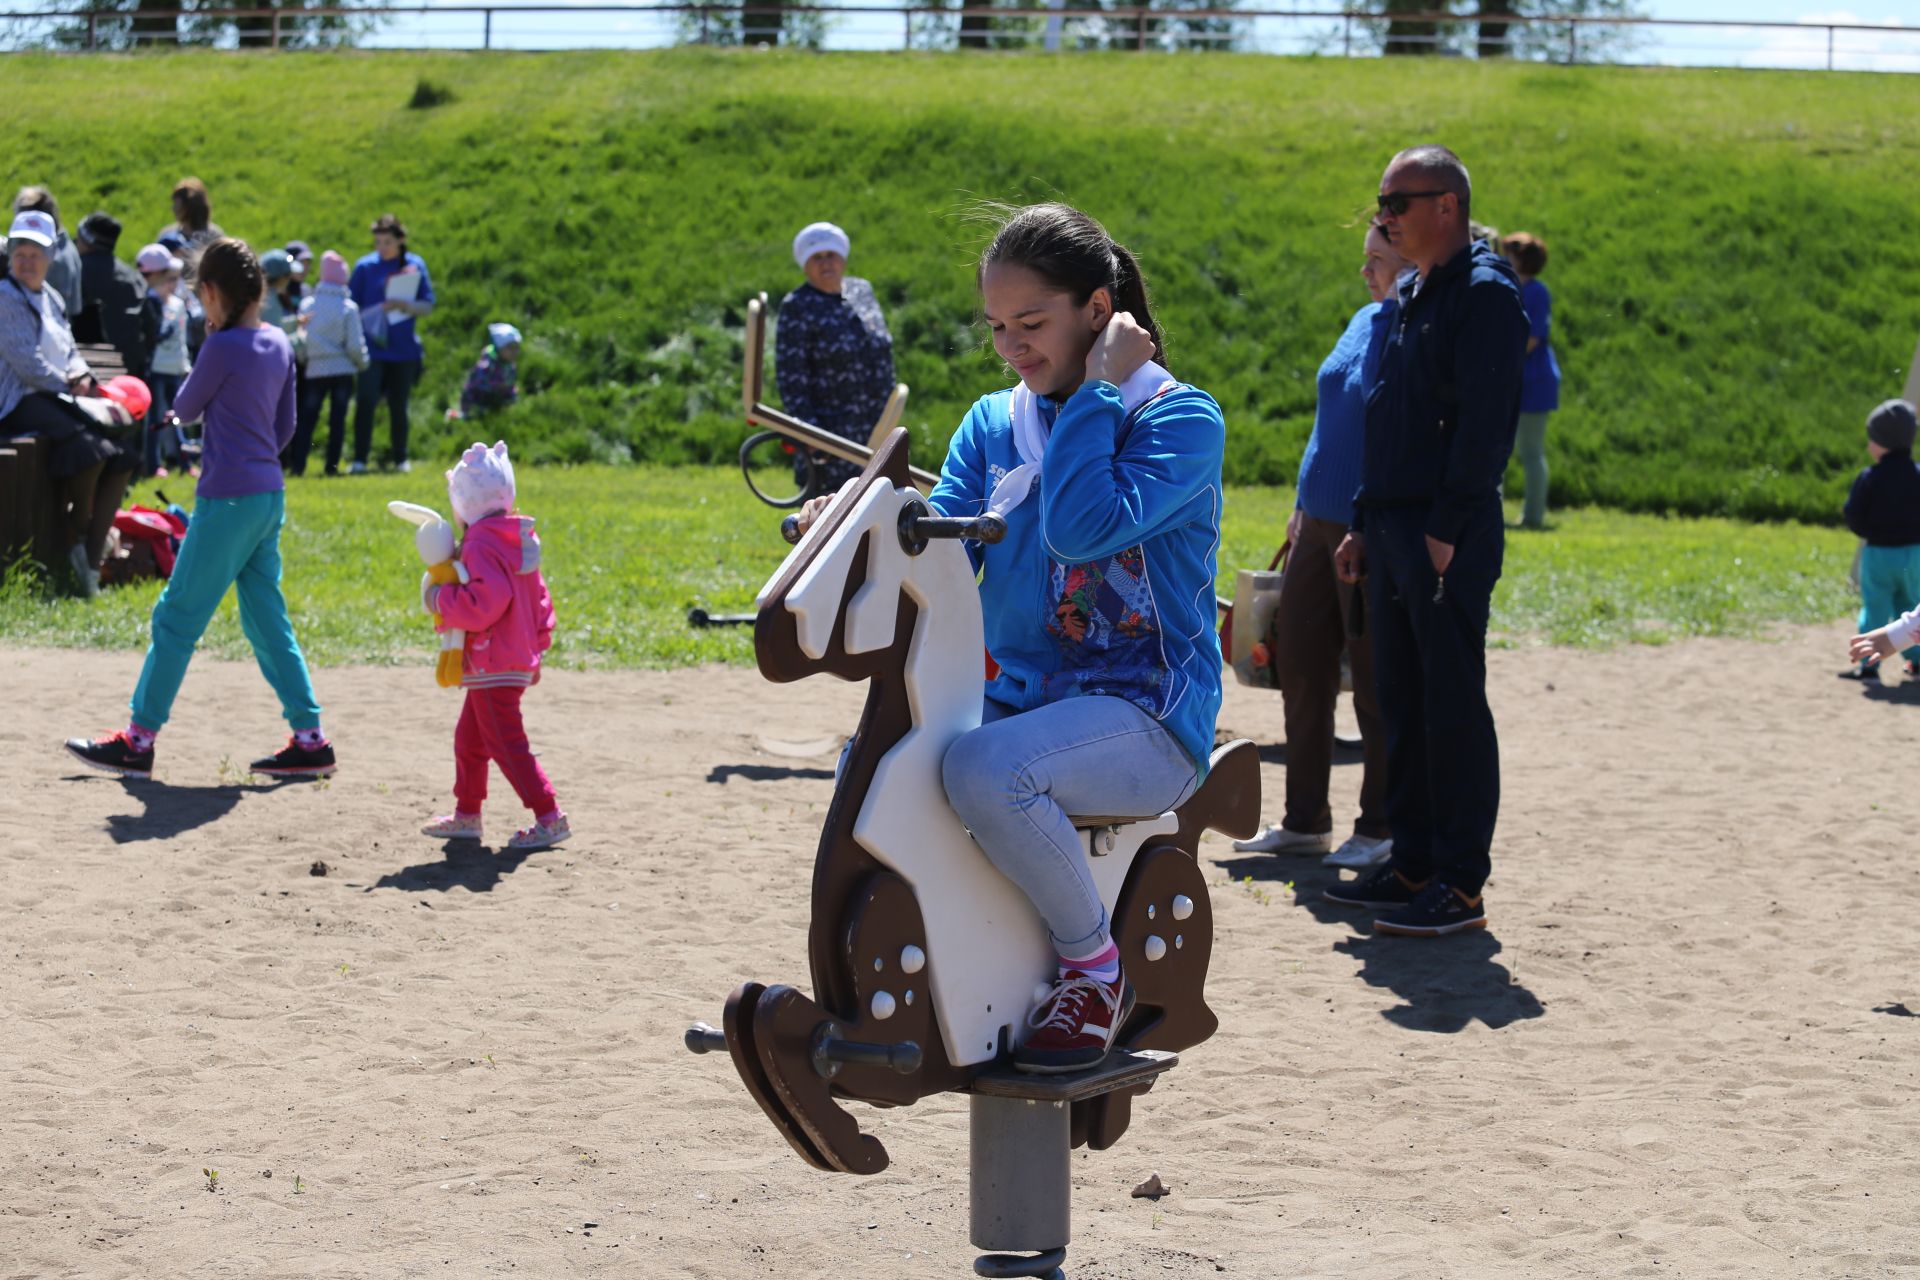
pixel 112 753
pixel 1380 889
pixel 296 761
pixel 1870 671
pixel 1439 909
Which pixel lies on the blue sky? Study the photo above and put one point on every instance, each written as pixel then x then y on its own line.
pixel 1751 46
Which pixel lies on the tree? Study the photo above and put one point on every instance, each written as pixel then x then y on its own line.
pixel 126 24
pixel 1543 38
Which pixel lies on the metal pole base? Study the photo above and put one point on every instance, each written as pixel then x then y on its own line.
pixel 1003 1266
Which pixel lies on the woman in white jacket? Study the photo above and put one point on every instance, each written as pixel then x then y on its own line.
pixel 336 354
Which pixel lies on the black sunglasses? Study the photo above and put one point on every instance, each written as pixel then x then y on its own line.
pixel 1398 202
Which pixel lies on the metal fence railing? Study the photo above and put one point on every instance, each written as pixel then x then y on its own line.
pixel 1829 45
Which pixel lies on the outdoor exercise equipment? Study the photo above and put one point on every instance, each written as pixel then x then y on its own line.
pixel 786 445
pixel 925 960
pixel 433 538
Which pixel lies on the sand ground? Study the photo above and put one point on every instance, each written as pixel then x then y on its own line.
pixel 1687 1046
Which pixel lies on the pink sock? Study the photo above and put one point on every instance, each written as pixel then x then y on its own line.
pixel 549 818
pixel 1103 964
pixel 142 739
pixel 312 739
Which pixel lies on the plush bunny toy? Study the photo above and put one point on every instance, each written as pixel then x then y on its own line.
pixel 434 540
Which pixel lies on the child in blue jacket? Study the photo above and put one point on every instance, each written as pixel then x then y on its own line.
pixel 1098 603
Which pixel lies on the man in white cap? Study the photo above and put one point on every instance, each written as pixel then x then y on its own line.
pixel 832 354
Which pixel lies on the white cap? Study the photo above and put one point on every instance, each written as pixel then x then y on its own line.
pixel 819 237
pixel 157 257
pixel 33 225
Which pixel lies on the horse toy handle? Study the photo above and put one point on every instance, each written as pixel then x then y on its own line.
pixel 918 525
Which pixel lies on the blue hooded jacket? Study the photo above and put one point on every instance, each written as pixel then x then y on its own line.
pixel 1104 582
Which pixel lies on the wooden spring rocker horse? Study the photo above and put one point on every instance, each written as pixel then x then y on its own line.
pixel 925 959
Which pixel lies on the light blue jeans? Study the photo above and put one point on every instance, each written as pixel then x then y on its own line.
pixel 1016 779
pixel 1889 587
pixel 230 542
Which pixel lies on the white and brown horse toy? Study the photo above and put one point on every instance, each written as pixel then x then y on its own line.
pixel 925 958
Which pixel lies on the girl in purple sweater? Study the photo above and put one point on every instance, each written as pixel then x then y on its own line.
pixel 242 388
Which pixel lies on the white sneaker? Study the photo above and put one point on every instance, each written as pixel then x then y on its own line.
pixel 403 466
pixel 357 469
pixel 455 826
pixel 1277 839
pixel 540 835
pixel 1361 853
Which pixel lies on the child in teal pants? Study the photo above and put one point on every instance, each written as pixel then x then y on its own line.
pixel 243 390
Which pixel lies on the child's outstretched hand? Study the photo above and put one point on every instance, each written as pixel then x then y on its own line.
pixel 1872 645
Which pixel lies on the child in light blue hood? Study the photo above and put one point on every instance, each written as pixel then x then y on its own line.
pixel 493 382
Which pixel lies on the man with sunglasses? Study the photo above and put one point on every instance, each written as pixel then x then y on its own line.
pixel 1428 538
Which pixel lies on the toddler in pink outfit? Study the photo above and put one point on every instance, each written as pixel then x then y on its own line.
pixel 504 608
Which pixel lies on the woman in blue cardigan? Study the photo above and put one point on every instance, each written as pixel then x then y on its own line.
pixel 1098 603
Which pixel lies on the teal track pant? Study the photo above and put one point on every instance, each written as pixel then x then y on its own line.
pixel 232 542
pixel 1889 587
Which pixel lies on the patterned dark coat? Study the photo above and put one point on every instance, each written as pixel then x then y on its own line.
pixel 833 360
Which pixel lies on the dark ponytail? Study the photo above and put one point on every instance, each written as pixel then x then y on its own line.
pixel 1073 253
pixel 229 266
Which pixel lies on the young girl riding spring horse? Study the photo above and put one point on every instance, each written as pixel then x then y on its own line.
pixel 1011 877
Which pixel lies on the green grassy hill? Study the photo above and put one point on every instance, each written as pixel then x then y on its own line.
pixel 1733 251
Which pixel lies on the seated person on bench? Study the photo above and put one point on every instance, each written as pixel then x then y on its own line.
pixel 1098 603
pixel 41 371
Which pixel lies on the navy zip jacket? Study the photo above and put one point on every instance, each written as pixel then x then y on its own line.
pixel 1884 507
pixel 1442 414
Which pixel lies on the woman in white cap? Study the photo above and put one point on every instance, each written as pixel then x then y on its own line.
pixel 832 354
pixel 41 371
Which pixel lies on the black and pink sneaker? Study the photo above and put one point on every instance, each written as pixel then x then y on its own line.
pixel 296 761
pixel 1074 1024
pixel 114 753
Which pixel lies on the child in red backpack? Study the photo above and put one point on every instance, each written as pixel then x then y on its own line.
pixel 504 608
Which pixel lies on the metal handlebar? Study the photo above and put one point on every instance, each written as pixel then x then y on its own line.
pixel 830 1053
pixel 918 526
pixel 701 1038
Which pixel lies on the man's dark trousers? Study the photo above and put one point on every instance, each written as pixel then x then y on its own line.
pixel 1430 665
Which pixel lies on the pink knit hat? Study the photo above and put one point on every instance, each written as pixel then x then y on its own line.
pixel 333 268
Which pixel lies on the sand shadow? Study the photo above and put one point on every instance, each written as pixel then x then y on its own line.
pixel 464 864
pixel 168 811
pixel 1345 751
pixel 725 773
pixel 1898 1010
pixel 1445 984
pixel 1906 693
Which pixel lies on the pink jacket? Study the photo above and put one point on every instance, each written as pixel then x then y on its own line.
pixel 503 606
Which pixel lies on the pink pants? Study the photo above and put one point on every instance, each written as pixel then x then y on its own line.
pixel 491 730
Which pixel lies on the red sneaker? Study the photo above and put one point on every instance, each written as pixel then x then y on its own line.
pixel 1074 1024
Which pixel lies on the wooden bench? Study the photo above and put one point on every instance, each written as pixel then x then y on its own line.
pixel 30 504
